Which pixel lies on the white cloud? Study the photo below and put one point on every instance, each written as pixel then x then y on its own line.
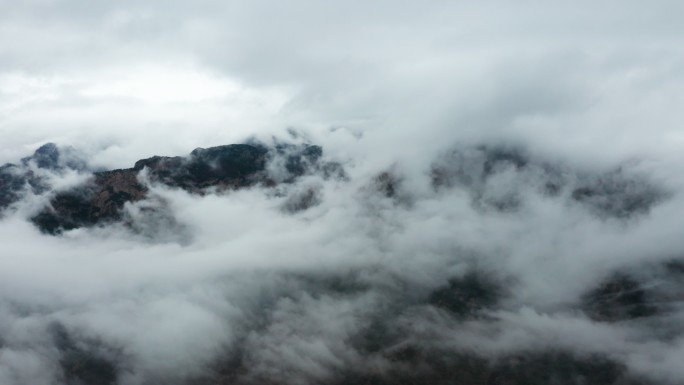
pixel 382 86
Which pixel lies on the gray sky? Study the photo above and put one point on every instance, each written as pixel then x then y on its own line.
pixel 118 76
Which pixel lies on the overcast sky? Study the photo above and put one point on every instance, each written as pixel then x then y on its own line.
pixel 589 86
pixel 116 77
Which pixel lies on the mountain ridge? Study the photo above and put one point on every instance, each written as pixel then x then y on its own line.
pixel 101 198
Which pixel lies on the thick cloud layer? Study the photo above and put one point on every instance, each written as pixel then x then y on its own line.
pixel 509 211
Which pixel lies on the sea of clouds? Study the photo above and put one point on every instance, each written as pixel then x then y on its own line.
pixel 235 287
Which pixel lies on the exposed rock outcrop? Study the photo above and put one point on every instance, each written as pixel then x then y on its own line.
pixel 18 179
pixel 467 295
pixel 99 200
pixel 500 178
pixel 102 198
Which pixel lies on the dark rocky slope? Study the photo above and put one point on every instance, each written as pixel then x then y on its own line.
pixel 498 178
pixel 102 197
pixel 16 179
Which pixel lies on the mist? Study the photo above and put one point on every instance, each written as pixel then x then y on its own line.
pixel 498 195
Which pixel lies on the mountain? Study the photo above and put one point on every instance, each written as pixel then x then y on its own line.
pixel 103 196
pixel 387 321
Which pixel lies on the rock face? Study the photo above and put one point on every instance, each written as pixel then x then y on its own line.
pixel 82 363
pixel 618 298
pixel 648 291
pixel 17 179
pixel 231 166
pixel 221 168
pixel 465 296
pixel 101 199
pixel 551 367
pixel 615 195
pixel 12 181
pixel 499 179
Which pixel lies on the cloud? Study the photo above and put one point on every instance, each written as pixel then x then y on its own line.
pixel 534 146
